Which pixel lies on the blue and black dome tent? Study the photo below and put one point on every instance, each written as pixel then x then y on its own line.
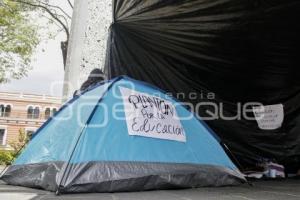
pixel 123 135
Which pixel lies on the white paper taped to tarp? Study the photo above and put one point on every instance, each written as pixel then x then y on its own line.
pixel 151 116
pixel 269 117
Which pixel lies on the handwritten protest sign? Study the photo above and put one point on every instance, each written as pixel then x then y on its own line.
pixel 269 117
pixel 151 116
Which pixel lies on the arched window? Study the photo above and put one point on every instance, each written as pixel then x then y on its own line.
pixel 5 110
pixel 30 112
pixel 2 110
pixel 47 113
pixel 36 114
pixel 33 112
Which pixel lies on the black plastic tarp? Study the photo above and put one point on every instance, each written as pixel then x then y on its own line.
pixel 239 50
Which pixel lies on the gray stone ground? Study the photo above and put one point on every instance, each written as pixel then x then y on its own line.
pixel 261 190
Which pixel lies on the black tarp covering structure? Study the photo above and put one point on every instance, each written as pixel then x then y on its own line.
pixel 241 50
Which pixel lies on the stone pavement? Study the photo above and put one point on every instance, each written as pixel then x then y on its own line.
pixel 261 190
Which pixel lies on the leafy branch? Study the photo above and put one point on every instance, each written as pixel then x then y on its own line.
pixel 19 33
pixel 60 18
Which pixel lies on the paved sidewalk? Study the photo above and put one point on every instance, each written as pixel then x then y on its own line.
pixel 262 190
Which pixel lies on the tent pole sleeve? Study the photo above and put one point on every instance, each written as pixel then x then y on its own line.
pixel 66 170
pixel 230 154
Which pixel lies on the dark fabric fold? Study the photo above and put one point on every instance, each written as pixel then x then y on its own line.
pixel 243 51
pixel 120 176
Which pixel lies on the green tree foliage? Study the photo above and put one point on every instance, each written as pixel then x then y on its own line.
pixel 18 39
pixel 7 157
pixel 19 33
pixel 20 143
pixel 51 11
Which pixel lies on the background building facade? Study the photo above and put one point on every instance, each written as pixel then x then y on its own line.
pixel 26 112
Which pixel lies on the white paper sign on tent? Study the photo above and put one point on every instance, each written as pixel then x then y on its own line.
pixel 269 117
pixel 151 116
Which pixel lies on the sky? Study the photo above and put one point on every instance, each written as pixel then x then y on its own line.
pixel 47 72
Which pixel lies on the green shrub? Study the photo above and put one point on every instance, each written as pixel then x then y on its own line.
pixel 6 157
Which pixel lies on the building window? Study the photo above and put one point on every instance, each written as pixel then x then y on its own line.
pixel 36 113
pixel 5 110
pixel 33 112
pixel 2 135
pixel 2 110
pixel 30 112
pixel 30 131
pixel 49 112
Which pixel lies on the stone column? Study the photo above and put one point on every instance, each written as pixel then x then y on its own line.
pixel 87 45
